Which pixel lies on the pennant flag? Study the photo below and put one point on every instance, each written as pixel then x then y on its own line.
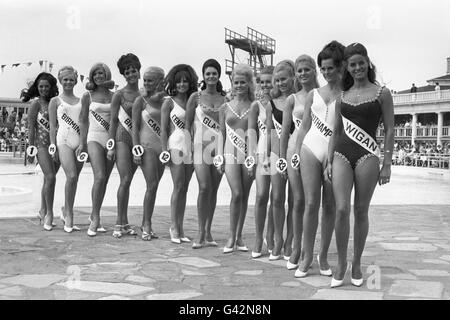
pixel 41 62
pixel 15 65
pixel 50 66
pixel 82 78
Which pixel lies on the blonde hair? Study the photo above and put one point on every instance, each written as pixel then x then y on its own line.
pixel 286 65
pixel 304 58
pixel 64 71
pixel 247 72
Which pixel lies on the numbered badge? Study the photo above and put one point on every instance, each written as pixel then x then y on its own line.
pixel 110 144
pixel 249 162
pixel 52 149
pixel 218 161
pixel 295 161
pixel 82 157
pixel 32 151
pixel 138 150
pixel 164 157
pixel 281 165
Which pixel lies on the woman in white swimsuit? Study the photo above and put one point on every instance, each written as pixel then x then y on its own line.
pixel 181 82
pixel 305 70
pixel 315 132
pixel 257 148
pixel 64 112
pixel 147 133
pixel 95 117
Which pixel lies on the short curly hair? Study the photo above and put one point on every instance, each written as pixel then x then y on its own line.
pixel 127 60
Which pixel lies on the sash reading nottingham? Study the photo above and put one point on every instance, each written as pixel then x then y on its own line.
pixel 361 137
pixel 322 126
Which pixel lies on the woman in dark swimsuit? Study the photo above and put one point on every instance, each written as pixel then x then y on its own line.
pixel 353 156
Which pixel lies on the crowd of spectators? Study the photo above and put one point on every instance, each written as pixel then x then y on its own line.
pixel 13 131
pixel 422 154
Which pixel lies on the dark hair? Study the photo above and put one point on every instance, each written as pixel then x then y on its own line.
pixel 216 65
pixel 351 50
pixel 128 60
pixel 33 91
pixel 333 50
pixel 177 73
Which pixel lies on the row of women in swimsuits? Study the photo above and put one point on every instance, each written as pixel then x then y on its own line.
pixel 286 133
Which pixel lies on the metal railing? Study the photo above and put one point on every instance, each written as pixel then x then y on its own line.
pixel 261 39
pixel 420 97
pixel 433 160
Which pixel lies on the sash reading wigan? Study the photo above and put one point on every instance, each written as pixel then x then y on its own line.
pixel 236 140
pixel 207 121
pixel 72 124
pixel 151 123
pixel 44 123
pixel 100 120
pixel 322 126
pixel 125 120
pixel 360 136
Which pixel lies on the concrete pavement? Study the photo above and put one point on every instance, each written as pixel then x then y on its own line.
pixel 407 256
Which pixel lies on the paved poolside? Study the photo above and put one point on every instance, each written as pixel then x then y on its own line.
pixel 407 255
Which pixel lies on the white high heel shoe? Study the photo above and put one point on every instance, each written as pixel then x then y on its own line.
pixel 327 272
pixel 356 282
pixel 337 283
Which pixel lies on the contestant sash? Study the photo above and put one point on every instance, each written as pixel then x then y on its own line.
pixel 325 129
pixel 99 119
pixel 72 124
pixel 262 127
pixel 277 126
pixel 151 123
pixel 297 122
pixel 236 140
pixel 361 137
pixel 177 122
pixel 207 121
pixel 44 123
pixel 125 120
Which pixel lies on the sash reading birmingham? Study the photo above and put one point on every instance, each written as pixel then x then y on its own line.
pixel 100 120
pixel 71 123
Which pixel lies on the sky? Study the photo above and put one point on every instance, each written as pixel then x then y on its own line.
pixel 408 41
